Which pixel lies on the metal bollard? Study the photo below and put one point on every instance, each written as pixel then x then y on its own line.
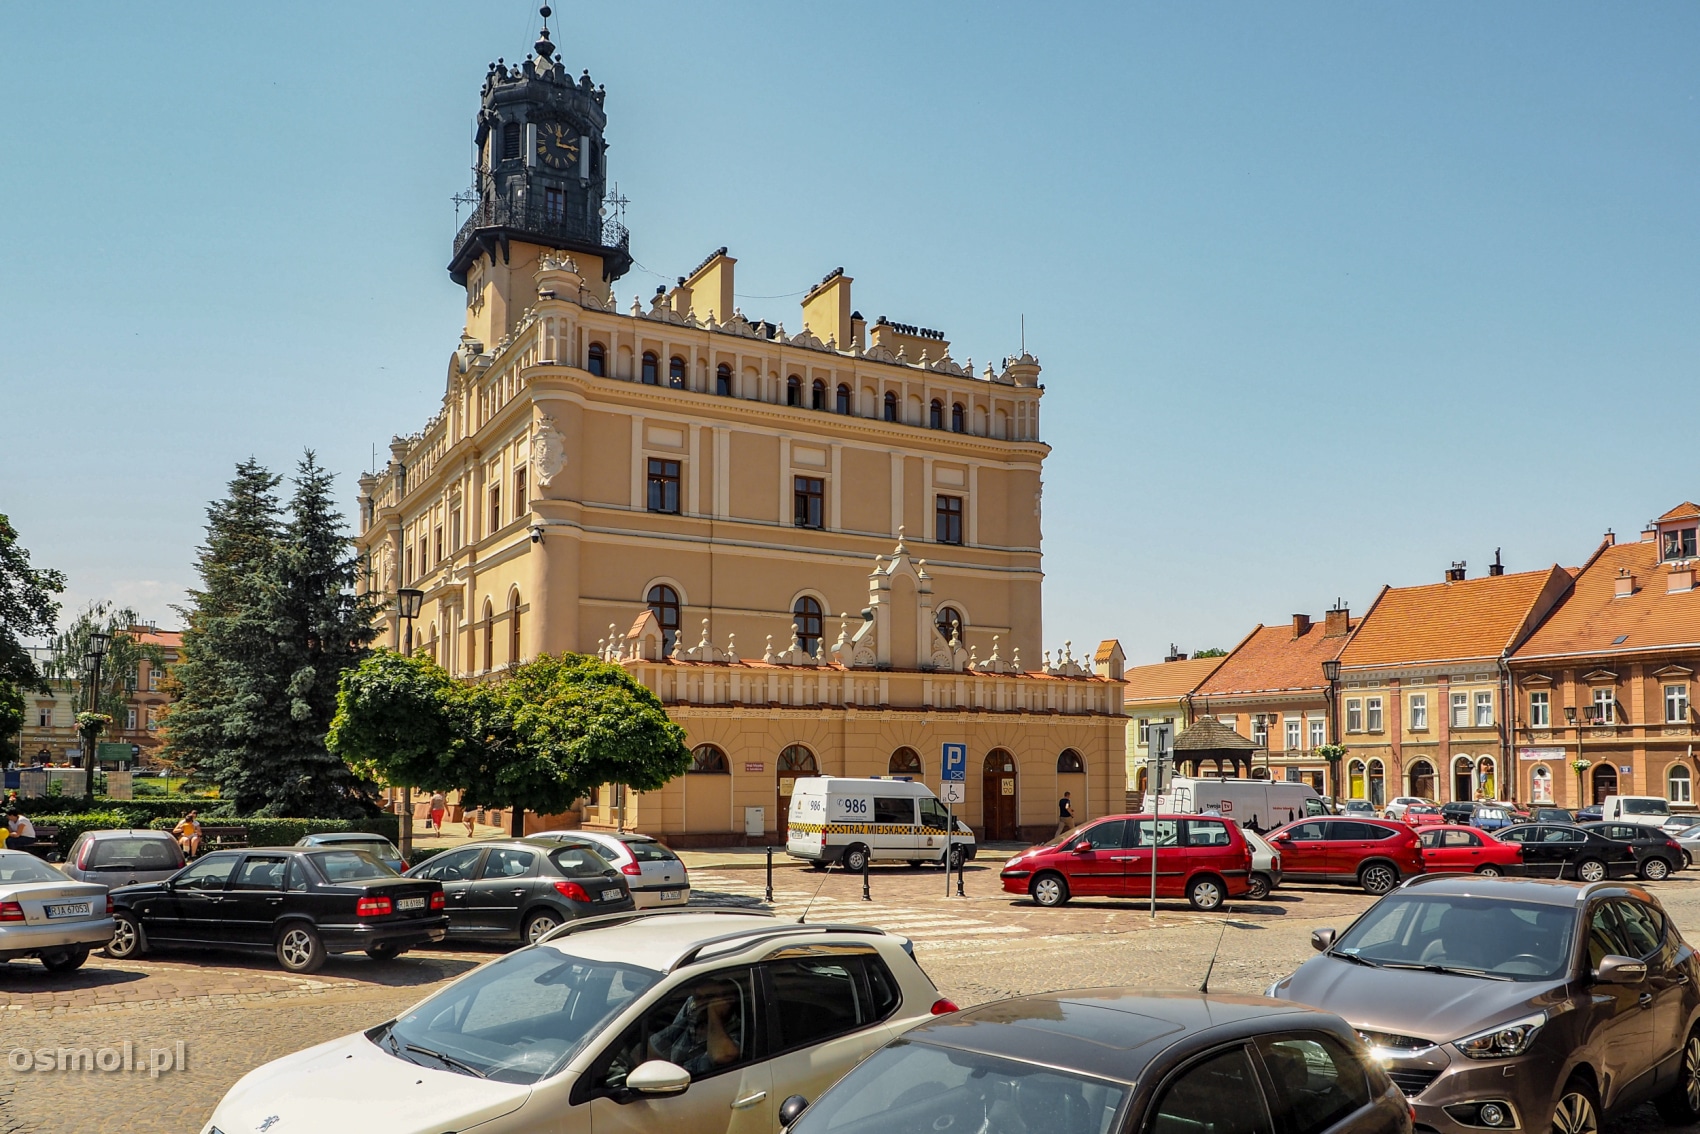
pixel 961 863
pixel 866 897
pixel 770 874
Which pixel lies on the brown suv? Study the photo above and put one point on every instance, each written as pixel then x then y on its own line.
pixel 1501 1004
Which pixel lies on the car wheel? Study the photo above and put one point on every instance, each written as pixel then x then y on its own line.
pixel 538 924
pixel 66 960
pixel 1655 870
pixel 957 857
pixel 1378 878
pixel 385 952
pixel 856 859
pixel 1680 1106
pixel 299 949
pixel 126 938
pixel 1687 860
pixel 1591 870
pixel 1049 890
pixel 1258 887
pixel 1490 871
pixel 1578 1110
pixel 1205 894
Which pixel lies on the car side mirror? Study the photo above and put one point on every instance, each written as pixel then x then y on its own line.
pixel 1620 970
pixel 791 1109
pixel 1322 940
pixel 1283 837
pixel 1082 846
pixel 658 1077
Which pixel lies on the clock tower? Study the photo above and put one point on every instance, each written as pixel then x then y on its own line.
pixel 540 172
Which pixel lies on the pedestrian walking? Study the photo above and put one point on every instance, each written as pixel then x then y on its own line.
pixel 1065 813
pixel 439 805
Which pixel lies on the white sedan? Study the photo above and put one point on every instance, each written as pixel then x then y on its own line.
pixel 1397 807
pixel 46 915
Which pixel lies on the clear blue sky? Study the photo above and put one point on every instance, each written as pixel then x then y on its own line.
pixel 1327 296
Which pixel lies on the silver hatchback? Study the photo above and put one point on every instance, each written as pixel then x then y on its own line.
pixel 123 858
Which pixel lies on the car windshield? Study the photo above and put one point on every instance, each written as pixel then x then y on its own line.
pixel 123 854
pixel 350 866
pixel 916 1088
pixel 18 867
pixel 516 1019
pixel 1645 807
pixel 381 847
pixel 1471 936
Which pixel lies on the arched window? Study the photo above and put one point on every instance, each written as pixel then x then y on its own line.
pixel 805 615
pixel 707 760
pixel 513 627
pixel 1681 785
pixel 796 758
pixel 597 363
pixel 1068 760
pixel 935 415
pixel 905 762
pixel 817 395
pixel 489 636
pixel 723 380
pixel 949 621
pixel 890 406
pixel 793 391
pixel 843 399
pixel 956 423
pixel 651 369
pixel 1377 783
pixel 1463 780
pixel 676 372
pixel 664 604
pixel 1355 780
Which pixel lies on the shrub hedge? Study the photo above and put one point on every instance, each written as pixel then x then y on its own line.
pixel 287 832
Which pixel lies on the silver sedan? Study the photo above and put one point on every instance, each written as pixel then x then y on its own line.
pixel 1689 840
pixel 44 914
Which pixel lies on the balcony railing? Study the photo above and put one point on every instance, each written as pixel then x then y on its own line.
pixel 553 226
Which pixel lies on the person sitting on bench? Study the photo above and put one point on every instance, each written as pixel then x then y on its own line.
pixel 20 832
pixel 188 834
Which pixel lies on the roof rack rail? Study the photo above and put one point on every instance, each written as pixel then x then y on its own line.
pixel 603 921
pixel 754 936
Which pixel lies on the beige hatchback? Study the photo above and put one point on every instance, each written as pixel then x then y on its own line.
pixel 689 1022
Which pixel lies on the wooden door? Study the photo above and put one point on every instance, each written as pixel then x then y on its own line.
pixel 999 799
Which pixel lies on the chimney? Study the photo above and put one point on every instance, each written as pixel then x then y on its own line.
pixel 1174 655
pixel 1455 573
pixel 1679 580
pixel 1301 623
pixel 1648 535
pixel 1496 567
pixel 1625 583
pixel 708 289
pixel 826 310
pixel 1338 621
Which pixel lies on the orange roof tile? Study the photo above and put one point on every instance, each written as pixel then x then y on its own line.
pixel 1595 621
pixel 1471 618
pixel 169 639
pixel 1167 681
pixel 1272 660
pixel 1687 510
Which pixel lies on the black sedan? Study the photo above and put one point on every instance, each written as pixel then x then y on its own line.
pixel 520 889
pixel 301 903
pixel 1563 850
pixel 1657 854
pixel 1111 1059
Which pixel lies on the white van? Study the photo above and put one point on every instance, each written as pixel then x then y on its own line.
pixel 856 820
pixel 1648 810
pixel 1261 805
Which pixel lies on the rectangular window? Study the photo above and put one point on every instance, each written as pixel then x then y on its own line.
pixel 407 565
pixel 1540 710
pixel 130 720
pixel 1605 706
pixel 1680 543
pixel 1484 709
pixel 554 204
pixel 948 519
pixel 1372 713
pixel 1260 730
pixel 1460 710
pixel 44 717
pixel 1295 736
pixel 153 679
pixel 1419 712
pixel 663 486
pixel 438 540
pixel 511 136
pixel 1318 733
pixel 1144 731
pixel 808 492
pixel 495 508
pixel 1354 715
pixel 454 530
pixel 1676 704
pixel 521 500
pixel 894 809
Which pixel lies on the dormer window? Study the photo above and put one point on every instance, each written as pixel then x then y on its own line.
pixel 1680 543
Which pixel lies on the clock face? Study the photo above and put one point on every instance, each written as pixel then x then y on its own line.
pixel 557 145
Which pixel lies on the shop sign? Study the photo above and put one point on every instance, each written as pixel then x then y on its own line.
pixel 1540 754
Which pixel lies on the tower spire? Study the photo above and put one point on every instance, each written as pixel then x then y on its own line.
pixel 545 50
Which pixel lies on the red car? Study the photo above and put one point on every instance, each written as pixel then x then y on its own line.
pixel 1423 816
pixel 1451 850
pixel 1201 858
pixel 1376 854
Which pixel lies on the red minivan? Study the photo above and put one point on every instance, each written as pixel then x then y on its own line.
pixel 1201 858
pixel 1376 854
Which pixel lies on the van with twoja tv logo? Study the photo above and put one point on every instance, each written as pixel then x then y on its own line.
pixel 856 820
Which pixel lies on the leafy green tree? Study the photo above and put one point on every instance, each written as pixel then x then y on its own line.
pixel 11 720
pixel 27 610
pixel 1212 652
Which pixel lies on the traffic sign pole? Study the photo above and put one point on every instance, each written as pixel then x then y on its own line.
pixel 1159 747
pixel 953 779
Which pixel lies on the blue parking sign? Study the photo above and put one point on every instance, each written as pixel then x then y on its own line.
pixel 955 762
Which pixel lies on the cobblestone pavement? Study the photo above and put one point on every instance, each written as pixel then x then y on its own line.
pixel 233 1013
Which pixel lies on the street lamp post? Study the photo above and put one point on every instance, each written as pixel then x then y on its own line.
pixel 99 640
pixel 407 603
pixel 1331 674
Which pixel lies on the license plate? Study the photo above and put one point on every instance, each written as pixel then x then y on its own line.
pixel 70 909
pixel 610 895
pixel 669 895
pixel 410 904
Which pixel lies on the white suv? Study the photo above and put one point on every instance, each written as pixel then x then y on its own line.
pixel 682 1021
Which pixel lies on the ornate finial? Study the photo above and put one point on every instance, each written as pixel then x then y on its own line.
pixel 900 548
pixel 545 50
